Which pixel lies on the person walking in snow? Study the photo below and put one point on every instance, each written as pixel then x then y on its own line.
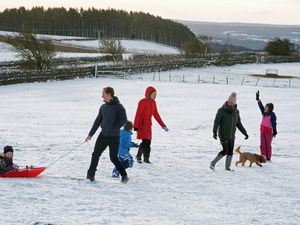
pixel 143 123
pixel 267 127
pixel 112 116
pixel 226 121
pixel 124 147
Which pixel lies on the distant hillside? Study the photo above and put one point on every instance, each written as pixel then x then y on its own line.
pixel 93 23
pixel 253 36
pixel 218 47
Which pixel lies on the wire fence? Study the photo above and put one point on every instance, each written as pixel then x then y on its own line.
pixel 246 80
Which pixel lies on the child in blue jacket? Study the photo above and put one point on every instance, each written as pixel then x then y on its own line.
pixel 124 147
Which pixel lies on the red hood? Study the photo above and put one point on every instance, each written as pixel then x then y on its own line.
pixel 149 91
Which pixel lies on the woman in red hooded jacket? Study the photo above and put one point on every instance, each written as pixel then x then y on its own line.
pixel 143 123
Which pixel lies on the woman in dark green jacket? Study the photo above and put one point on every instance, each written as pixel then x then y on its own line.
pixel 226 122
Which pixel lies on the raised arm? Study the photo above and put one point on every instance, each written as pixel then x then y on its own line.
pixel 260 105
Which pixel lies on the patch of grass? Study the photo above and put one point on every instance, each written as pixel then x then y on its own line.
pixel 62 48
pixel 273 76
pixel 65 48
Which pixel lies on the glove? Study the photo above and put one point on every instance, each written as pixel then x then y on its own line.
pixel 135 145
pixel 257 95
pixel 274 133
pixel 215 136
pixel 16 167
pixel 246 136
pixel 166 129
pixel 135 129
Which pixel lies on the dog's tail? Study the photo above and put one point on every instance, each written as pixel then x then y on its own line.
pixel 238 150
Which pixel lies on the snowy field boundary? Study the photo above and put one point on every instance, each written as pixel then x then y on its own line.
pixel 227 80
pixel 246 80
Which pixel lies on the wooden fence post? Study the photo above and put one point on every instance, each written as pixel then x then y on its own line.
pixel 243 81
pixel 257 82
pixel 96 70
pixel 198 79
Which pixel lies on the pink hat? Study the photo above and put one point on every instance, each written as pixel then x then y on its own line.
pixel 232 98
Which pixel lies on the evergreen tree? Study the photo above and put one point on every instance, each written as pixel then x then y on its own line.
pixel 280 47
pixel 95 23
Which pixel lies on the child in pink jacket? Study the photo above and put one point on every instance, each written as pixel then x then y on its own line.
pixel 267 127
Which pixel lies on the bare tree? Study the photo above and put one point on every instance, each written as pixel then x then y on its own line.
pixel 35 54
pixel 113 47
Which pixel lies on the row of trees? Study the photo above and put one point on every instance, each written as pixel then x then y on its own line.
pixel 200 46
pixel 95 23
pixel 280 47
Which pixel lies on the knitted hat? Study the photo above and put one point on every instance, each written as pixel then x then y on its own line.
pixel 232 98
pixel 270 106
pixel 8 149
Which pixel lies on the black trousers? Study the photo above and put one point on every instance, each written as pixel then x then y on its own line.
pixel 144 149
pixel 145 144
pixel 228 146
pixel 101 144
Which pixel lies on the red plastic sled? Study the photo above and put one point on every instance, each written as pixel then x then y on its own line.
pixel 24 173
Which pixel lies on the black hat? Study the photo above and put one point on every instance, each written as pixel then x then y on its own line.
pixel 270 106
pixel 8 149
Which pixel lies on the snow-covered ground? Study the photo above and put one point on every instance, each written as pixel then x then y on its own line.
pixel 131 47
pixel 237 75
pixel 45 120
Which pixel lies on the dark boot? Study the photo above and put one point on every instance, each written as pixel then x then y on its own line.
pixel 139 155
pixel 147 155
pixel 213 163
pixel 125 178
pixel 90 176
pixel 228 162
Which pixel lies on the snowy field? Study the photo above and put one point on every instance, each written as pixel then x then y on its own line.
pixel 131 47
pixel 45 120
pixel 236 75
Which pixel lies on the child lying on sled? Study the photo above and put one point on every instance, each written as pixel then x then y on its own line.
pixel 6 160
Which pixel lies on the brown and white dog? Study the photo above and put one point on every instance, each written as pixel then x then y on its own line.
pixel 252 157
